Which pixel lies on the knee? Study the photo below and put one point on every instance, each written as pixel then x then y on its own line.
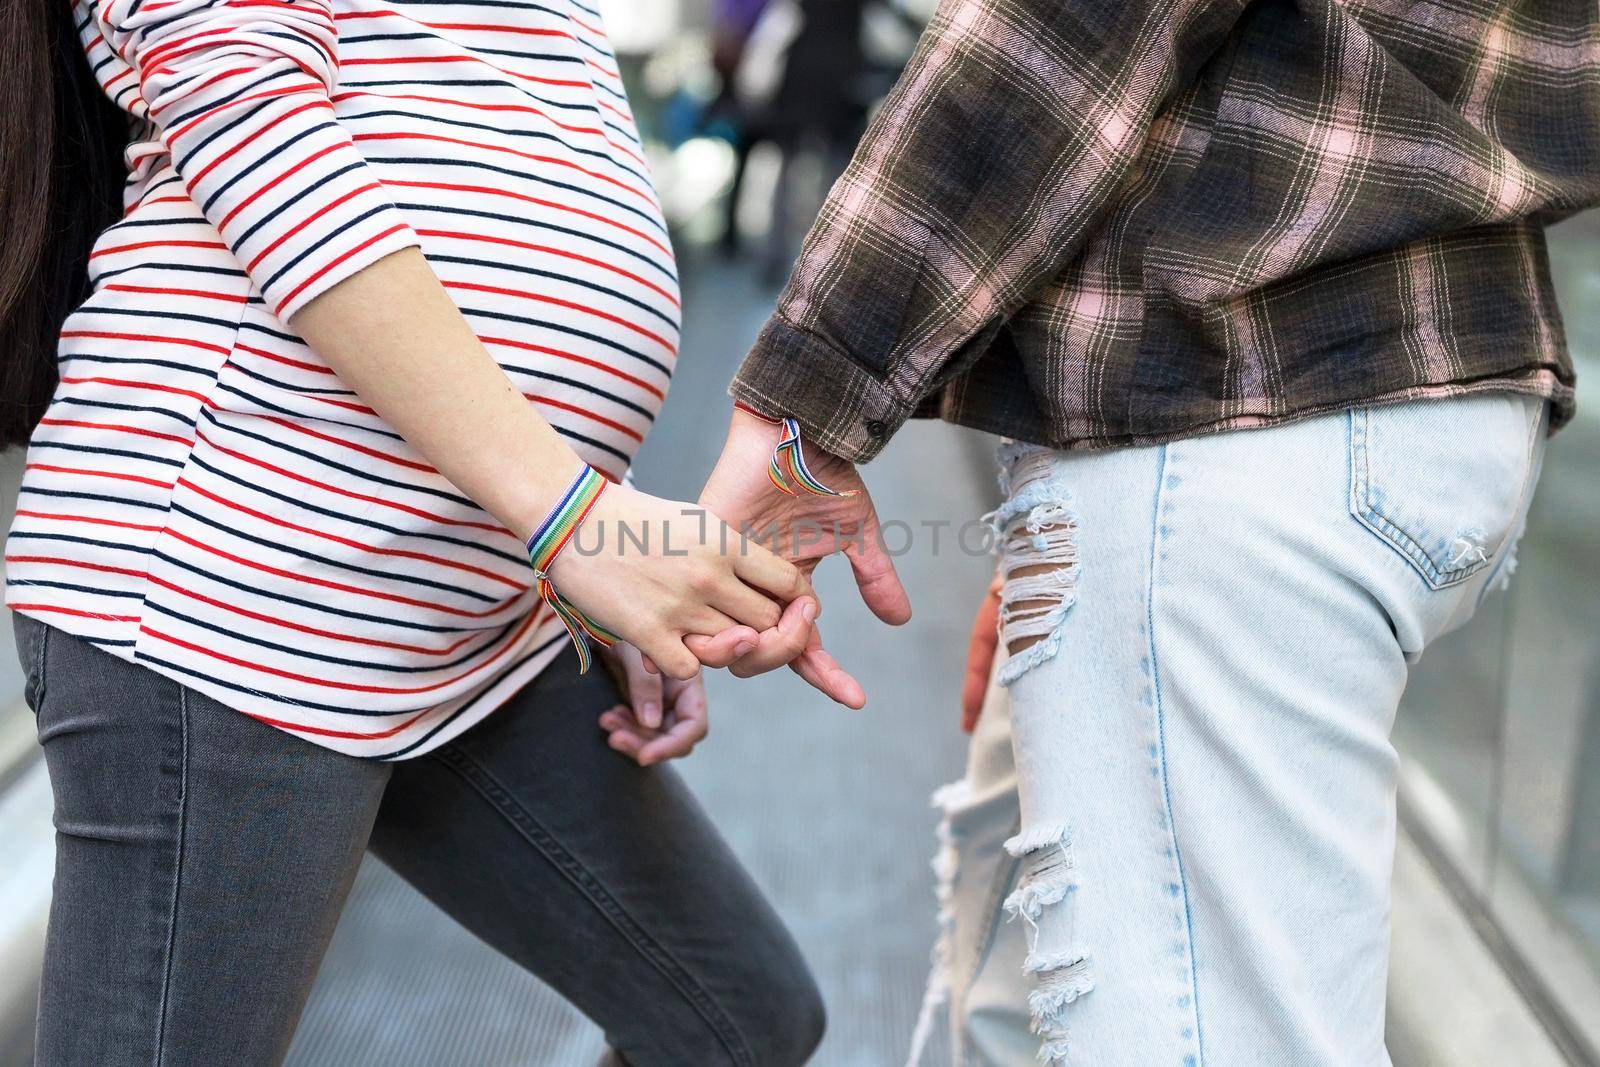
pixel 792 1027
pixel 809 1024
pixel 759 1008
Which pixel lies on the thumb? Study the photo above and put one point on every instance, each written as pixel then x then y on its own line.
pixel 876 577
pixel 823 673
pixel 644 693
pixel 720 650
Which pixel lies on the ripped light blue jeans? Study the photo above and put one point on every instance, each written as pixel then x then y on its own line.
pixel 1173 843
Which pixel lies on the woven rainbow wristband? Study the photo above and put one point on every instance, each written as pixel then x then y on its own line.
pixel 788 469
pixel 546 544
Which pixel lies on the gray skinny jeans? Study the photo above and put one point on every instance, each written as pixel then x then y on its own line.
pixel 203 859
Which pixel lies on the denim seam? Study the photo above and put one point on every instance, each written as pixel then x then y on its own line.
pixel 1161 733
pixel 38 670
pixel 177 872
pixel 489 787
pixel 1387 530
pixel 993 907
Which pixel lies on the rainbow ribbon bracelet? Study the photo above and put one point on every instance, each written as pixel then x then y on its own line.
pixel 788 469
pixel 546 544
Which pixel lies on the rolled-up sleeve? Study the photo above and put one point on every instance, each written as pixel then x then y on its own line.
pixel 240 91
pixel 1008 136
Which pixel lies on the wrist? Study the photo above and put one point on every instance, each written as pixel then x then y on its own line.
pixel 614 510
pixel 789 469
pixel 529 500
pixel 551 542
pixel 750 424
pixel 747 420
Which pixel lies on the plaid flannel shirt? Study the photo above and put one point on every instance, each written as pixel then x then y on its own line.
pixel 1088 223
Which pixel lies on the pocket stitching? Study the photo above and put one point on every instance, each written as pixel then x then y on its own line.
pixel 1387 530
pixel 38 669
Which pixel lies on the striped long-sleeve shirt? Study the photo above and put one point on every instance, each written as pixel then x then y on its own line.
pixel 204 496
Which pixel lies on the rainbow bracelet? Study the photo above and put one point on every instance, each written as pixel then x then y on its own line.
pixel 546 544
pixel 788 469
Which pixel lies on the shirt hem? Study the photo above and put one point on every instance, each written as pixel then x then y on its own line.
pixel 1544 384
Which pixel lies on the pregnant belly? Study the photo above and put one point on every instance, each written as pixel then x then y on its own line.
pixel 598 374
pixel 563 269
pixel 544 226
pixel 553 247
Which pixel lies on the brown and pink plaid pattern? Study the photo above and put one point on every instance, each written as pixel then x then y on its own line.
pixel 1088 223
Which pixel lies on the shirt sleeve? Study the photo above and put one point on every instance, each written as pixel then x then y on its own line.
pixel 1008 136
pixel 240 92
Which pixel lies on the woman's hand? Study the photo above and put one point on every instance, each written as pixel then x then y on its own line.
pixel 659 718
pixel 804 529
pixel 980 656
pixel 655 572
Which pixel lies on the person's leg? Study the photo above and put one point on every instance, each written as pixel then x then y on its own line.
pixel 1220 634
pixel 778 256
pixel 977 976
pixel 202 859
pixel 604 879
pixel 745 143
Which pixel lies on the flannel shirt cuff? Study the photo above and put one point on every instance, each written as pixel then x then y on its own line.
pixel 840 406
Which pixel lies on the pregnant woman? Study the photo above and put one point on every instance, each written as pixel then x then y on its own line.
pixel 388 308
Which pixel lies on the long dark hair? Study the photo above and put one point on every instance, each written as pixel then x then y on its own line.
pixel 61 175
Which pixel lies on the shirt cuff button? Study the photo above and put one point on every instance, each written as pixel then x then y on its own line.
pixel 876 429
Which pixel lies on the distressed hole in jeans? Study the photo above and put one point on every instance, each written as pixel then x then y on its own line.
pixel 1037 534
pixel 1059 966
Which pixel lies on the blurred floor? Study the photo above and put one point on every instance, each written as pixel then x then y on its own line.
pixel 829 808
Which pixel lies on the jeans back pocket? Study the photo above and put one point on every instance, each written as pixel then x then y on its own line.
pixel 1442 481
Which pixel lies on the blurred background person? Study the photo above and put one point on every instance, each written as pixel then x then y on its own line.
pixel 798 86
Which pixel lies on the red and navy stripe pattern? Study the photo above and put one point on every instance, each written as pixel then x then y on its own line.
pixel 205 496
